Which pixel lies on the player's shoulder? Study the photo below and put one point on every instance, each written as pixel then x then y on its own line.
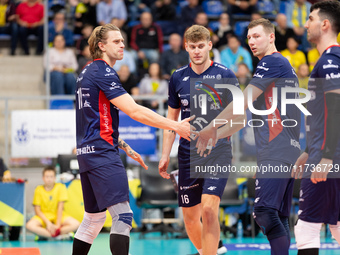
pixel 181 73
pixel 102 70
pixel 331 57
pixel 275 60
pixel 333 51
pixel 181 70
pixel 220 67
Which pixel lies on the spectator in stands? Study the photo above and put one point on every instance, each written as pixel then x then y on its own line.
pixel 188 14
pixel 147 39
pixel 297 14
pixel 50 220
pixel 86 31
pixel 128 80
pixel 294 56
pixel 223 31
pixel 136 7
pixel 235 54
pixel 8 23
pixel 109 9
pixel 5 176
pixel 282 32
pixel 84 58
pixel 303 75
pixel 163 10
pixel 243 75
pixel 85 13
pixel 62 65
pixel 153 84
pixel 57 27
pixel 30 18
pixel 312 57
pixel 173 58
pixel 242 6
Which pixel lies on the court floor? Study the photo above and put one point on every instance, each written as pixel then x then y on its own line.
pixel 155 244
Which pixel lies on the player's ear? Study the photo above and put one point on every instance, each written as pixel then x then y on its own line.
pixel 210 45
pixel 325 24
pixel 101 46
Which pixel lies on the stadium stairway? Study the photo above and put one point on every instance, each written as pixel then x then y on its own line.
pixel 19 76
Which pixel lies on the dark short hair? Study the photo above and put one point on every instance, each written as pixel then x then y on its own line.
pixel 49 168
pixel 329 10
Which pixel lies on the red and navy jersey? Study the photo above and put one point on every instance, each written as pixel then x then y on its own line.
pixel 274 139
pixel 97 119
pixel 197 95
pixel 324 77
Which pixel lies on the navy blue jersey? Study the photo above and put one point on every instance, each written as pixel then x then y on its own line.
pixel 324 77
pixel 97 119
pixel 274 140
pixel 196 95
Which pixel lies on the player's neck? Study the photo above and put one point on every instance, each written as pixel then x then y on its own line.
pixel 48 187
pixel 199 69
pixel 326 42
pixel 270 51
pixel 108 60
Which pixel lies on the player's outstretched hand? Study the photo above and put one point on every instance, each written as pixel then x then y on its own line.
pixel 299 166
pixel 135 156
pixel 321 171
pixel 207 137
pixel 184 128
pixel 163 167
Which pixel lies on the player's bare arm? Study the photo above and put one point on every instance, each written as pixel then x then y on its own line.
pixel 148 117
pixel 168 140
pixel 131 153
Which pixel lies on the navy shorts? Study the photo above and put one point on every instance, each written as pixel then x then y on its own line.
pixel 275 193
pixel 190 190
pixel 320 203
pixel 104 186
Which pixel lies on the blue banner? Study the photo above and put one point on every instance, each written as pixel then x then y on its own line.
pixel 140 137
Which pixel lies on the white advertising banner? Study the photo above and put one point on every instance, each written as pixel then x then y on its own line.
pixel 43 133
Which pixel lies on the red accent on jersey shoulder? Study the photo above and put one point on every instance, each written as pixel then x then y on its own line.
pixel 324 124
pixel 274 119
pixel 334 45
pixel 101 60
pixel 106 130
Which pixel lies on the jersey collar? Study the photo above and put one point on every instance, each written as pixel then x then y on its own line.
pixel 334 45
pixel 210 63
pixel 101 60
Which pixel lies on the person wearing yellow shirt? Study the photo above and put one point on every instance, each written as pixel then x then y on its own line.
pixel 312 56
pixel 48 201
pixel 294 56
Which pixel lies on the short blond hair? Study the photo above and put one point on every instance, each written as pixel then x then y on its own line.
pixel 99 34
pixel 197 33
pixel 268 27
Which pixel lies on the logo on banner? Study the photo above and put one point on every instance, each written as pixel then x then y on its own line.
pixel 22 135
